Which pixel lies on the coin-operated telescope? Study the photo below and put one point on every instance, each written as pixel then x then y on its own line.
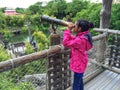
pixel 54 20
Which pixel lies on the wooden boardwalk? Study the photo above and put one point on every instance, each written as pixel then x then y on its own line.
pixel 107 80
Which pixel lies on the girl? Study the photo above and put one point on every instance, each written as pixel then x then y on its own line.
pixel 79 45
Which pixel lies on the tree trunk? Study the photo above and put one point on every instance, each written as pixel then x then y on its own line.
pixel 105 14
pixel 104 23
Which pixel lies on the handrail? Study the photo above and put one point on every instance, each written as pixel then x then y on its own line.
pixel 13 63
pixel 105 66
pixel 107 30
pixel 100 36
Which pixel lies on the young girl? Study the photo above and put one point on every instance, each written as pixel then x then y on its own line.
pixel 79 45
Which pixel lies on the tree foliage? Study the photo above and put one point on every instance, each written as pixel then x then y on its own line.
pixel 35 8
pixel 76 6
pixel 2 21
pixel 115 17
pixel 29 49
pixel 7 84
pixel 92 13
pixel 3 54
pixel 20 10
pixel 41 40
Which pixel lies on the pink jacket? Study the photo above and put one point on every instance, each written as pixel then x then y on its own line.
pixel 79 46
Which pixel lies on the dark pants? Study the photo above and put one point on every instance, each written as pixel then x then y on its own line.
pixel 78 81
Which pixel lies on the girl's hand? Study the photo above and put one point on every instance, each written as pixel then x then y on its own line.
pixel 70 25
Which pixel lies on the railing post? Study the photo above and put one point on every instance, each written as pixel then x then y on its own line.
pixel 58 73
pixel 54 66
pixel 101 50
pixel 104 23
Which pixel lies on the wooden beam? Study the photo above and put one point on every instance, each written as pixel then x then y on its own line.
pixel 105 13
pixel 13 63
pixel 100 36
pixel 107 30
pixel 105 66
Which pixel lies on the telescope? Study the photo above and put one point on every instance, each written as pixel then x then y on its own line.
pixel 54 20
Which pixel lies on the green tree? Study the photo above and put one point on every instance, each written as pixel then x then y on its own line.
pixel 14 21
pixel 29 49
pixel 41 40
pixel 91 14
pixel 7 84
pixel 56 8
pixel 61 6
pixel 7 34
pixel 35 20
pixel 36 8
pixel 2 21
pixel 76 6
pixel 3 54
pixel 20 10
pixel 51 8
pixel 2 9
pixel 115 17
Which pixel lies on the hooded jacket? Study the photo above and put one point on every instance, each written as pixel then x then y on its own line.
pixel 79 45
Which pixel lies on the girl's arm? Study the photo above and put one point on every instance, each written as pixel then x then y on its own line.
pixel 69 40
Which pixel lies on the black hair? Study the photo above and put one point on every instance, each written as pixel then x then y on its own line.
pixel 85 25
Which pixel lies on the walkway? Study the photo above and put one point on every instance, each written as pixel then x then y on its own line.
pixel 107 80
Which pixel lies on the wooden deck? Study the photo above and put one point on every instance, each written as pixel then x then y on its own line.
pixel 107 80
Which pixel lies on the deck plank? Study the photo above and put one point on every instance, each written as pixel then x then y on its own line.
pixel 117 84
pixel 94 83
pixel 91 83
pixel 112 84
pixel 107 80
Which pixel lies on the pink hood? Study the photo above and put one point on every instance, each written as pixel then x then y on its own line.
pixel 79 46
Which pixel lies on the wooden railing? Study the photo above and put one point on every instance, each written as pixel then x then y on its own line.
pixel 59 53
pixel 14 63
pixel 112 50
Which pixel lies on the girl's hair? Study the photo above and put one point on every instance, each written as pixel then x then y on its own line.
pixel 85 25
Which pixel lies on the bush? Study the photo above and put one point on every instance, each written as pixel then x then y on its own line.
pixel 3 54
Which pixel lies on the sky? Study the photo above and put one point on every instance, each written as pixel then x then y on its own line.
pixel 22 3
